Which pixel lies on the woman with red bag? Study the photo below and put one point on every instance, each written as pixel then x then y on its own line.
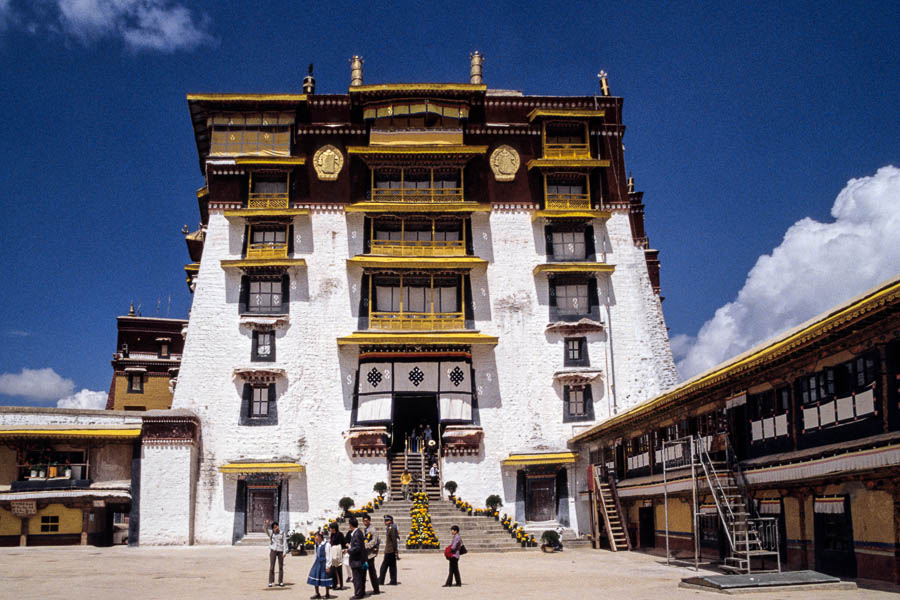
pixel 452 553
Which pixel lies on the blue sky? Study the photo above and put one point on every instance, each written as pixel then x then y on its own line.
pixel 743 123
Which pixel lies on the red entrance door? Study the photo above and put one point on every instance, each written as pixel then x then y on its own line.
pixel 540 498
pixel 262 508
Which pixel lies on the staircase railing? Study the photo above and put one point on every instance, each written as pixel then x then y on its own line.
pixel 615 494
pixel 726 514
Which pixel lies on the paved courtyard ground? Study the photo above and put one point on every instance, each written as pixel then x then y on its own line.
pixel 222 573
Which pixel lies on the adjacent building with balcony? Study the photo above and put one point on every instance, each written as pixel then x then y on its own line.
pixel 403 255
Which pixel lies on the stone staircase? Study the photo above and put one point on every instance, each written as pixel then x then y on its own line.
pixel 253 539
pixel 415 462
pixel 480 534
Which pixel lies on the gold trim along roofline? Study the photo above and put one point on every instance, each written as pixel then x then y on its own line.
pixel 571 214
pixel 873 299
pixel 548 458
pixel 375 338
pixel 573 114
pixel 418 87
pixel 249 263
pixel 282 467
pixel 270 160
pixel 417 207
pixel 246 97
pixel 572 163
pixel 418 262
pixel 414 149
pixel 266 212
pixel 574 267
pixel 72 433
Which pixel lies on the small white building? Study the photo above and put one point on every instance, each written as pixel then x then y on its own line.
pixel 446 255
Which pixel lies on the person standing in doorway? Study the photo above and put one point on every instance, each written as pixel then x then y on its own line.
pixel 428 436
pixel 372 544
pixel 277 550
pixel 357 558
pixel 391 545
pixel 452 555
pixel 405 480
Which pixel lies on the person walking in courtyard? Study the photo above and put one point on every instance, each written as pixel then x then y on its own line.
pixel 451 553
pixel 372 544
pixel 356 556
pixel 319 574
pixel 277 550
pixel 336 560
pixel 391 545
pixel 405 480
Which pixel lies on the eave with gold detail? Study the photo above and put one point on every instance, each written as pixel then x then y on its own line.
pixel 121 434
pixel 374 338
pixel 417 207
pixel 548 113
pixel 247 98
pixel 574 267
pixel 400 90
pixel 263 263
pixel 418 150
pixel 546 458
pixel 416 262
pixel 266 212
pixel 567 163
pixel 236 468
pixel 570 214
pixel 270 161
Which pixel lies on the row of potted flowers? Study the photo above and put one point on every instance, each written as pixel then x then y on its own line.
pixel 421 532
pixel 518 532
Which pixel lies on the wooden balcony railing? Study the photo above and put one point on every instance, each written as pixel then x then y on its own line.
pixel 53 471
pixel 258 201
pixel 404 321
pixel 567 151
pixel 418 248
pixel 413 195
pixel 568 202
pixel 267 250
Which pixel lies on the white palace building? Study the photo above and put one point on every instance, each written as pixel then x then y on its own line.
pixel 397 256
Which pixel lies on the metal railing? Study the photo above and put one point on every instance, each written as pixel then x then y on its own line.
pixel 417 321
pixel 418 248
pixel 260 201
pixel 567 202
pixel 267 250
pixel 412 195
pixel 552 150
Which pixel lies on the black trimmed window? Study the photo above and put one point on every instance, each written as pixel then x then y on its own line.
pixel 570 242
pixel 263 346
pixel 817 386
pixel 265 294
pixel 49 523
pixel 576 352
pixel 164 349
pixel 258 406
pixel 578 403
pixel 135 383
pixel 573 298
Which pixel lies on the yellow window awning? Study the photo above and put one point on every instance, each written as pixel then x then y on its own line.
pixel 417 262
pixel 261 467
pixel 547 458
pixel 574 267
pixel 416 339
pixel 71 433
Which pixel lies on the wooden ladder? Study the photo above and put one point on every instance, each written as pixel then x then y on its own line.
pixel 606 506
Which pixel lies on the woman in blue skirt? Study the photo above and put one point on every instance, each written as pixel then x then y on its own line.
pixel 318 574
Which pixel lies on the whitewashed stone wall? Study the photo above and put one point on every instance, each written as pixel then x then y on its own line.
pixel 167 500
pixel 521 409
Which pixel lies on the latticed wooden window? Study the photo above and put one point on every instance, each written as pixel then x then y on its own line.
pixel 572 299
pixel 49 523
pixel 265 296
pixel 568 244
pixel 576 401
pixel 260 402
pixel 266 134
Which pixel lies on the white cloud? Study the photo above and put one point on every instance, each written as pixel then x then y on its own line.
pixel 18 333
pixel 161 25
pixel 816 266
pixel 84 399
pixel 35 384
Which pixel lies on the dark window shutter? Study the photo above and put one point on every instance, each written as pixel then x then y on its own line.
pixel 467 228
pixel 590 252
pixel 364 308
pixel 548 240
pixel 588 402
pixel 367 237
pixel 247 403
pixel 254 346
pixel 244 294
pixel 272 346
pixel 246 241
pixel 469 313
pixel 566 413
pixel 271 408
pixel 593 297
pixel 285 293
pixel 290 240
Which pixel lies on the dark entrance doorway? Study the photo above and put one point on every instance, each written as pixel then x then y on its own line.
pixel 834 543
pixel 647 526
pixel 261 508
pixel 540 497
pixel 410 411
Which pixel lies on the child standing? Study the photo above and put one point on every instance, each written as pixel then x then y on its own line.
pixel 318 574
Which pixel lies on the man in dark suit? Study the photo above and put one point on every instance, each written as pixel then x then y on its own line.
pixel 357 555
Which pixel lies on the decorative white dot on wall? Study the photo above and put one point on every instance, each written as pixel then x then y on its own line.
pixel 484 235
pixel 488 376
pixel 353 234
pixel 353 288
pixel 349 379
pixel 294 284
pixel 483 292
pixel 297 238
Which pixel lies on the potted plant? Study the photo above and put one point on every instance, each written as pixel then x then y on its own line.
pixel 493 502
pixel 346 503
pixel 67 470
pixel 31 470
pixel 380 488
pixel 52 469
pixel 451 486
pixel 295 543
pixel 549 541
pixel 42 471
